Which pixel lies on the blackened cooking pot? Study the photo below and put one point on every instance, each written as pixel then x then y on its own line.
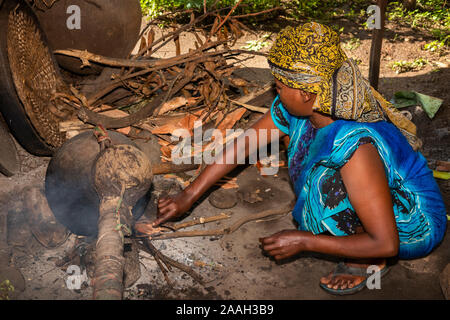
pixel 69 186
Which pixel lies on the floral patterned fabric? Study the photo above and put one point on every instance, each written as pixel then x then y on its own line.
pixel 309 57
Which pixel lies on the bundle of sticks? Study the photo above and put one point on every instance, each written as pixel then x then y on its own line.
pixel 162 94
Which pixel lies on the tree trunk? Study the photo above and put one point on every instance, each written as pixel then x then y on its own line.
pixel 109 262
pixel 122 175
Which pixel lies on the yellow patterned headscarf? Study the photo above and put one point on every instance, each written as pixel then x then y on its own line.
pixel 309 57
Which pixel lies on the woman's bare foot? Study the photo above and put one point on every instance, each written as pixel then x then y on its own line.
pixel 349 281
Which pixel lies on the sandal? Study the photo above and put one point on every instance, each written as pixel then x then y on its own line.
pixel 343 269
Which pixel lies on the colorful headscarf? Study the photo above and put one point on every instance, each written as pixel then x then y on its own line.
pixel 309 57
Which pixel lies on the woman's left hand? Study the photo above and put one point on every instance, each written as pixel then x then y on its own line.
pixel 285 244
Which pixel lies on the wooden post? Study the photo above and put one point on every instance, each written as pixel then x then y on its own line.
pixel 375 49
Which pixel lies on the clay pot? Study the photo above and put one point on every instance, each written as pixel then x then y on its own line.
pixel 107 27
pixel 69 185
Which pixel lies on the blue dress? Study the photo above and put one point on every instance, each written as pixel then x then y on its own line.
pixel 315 157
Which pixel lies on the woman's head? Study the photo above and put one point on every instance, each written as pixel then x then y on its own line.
pixel 314 74
pixel 296 101
pixel 306 58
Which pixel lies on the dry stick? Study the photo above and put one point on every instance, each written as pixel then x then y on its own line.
pixel 113 86
pixel 146 63
pixel 164 271
pixel 155 252
pixel 187 224
pixel 168 167
pixel 148 24
pixel 171 35
pixel 256 13
pixel 231 229
pixel 226 18
pixel 250 107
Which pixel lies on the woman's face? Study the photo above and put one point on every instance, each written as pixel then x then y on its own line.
pixel 296 101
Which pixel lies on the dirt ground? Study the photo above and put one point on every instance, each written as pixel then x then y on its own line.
pixel 233 266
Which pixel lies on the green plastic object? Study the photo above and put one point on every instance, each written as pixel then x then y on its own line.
pixel 429 104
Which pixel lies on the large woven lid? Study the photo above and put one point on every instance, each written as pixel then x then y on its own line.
pixel 36 76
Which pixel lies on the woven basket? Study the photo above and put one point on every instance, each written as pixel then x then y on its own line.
pixel 41 4
pixel 36 76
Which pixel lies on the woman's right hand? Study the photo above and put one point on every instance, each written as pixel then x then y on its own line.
pixel 172 207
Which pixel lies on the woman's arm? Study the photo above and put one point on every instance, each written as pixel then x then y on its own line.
pixel 368 190
pixel 175 206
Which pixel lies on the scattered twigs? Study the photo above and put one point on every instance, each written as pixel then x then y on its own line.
pixel 214 30
pixel 150 248
pixel 169 37
pixel 142 85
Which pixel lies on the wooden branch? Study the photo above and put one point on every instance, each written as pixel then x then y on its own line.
pixel 250 107
pixel 148 247
pixel 214 30
pixel 168 167
pixel 86 56
pixel 198 221
pixel 256 13
pixel 73 125
pixel 228 230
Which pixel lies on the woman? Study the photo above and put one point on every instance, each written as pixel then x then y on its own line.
pixel 363 193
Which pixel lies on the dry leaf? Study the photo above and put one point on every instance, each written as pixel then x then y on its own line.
pixel 231 119
pixel 186 122
pixel 238 82
pixel 172 105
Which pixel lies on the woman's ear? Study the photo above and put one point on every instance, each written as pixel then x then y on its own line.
pixel 306 96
